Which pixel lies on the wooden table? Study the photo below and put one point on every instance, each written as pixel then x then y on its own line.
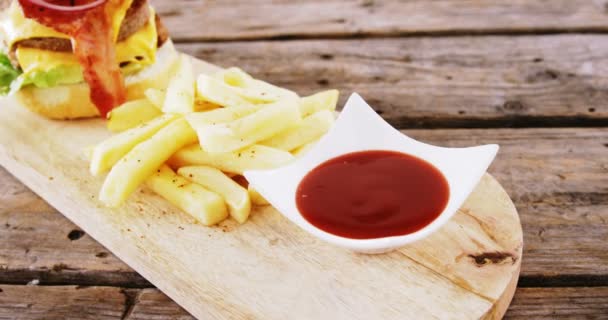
pixel 530 75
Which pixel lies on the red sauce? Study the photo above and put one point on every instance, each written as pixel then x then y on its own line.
pixel 372 194
pixel 88 23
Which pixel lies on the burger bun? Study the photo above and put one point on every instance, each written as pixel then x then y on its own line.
pixel 73 101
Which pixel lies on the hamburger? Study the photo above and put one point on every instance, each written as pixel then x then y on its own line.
pixel 78 59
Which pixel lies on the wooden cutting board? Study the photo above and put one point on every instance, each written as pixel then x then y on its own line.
pixel 268 268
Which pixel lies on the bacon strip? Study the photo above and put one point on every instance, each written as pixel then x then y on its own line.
pixel 94 47
pixel 93 43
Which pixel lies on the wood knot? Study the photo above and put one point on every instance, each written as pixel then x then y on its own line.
pixel 75 234
pixel 513 105
pixel 367 3
pixel 171 13
pixel 544 75
pixel 62 266
pixel 323 82
pixel 496 257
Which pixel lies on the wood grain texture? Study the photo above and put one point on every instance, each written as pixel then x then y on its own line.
pixel 215 272
pixel 231 20
pixel 559 303
pixel 70 302
pixel 557 178
pixel 153 304
pixel 493 81
pixel 535 303
pixel 31 235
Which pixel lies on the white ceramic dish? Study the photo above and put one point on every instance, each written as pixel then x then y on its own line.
pixel 359 128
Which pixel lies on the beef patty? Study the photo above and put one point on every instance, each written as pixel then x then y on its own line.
pixel 136 18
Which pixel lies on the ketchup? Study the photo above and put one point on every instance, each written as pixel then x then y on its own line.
pixel 372 194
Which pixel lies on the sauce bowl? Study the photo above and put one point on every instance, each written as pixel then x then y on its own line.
pixel 359 128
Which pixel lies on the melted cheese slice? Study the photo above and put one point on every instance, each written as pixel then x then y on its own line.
pixel 134 53
pixel 17 27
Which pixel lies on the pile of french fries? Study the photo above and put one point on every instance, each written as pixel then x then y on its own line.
pixel 191 143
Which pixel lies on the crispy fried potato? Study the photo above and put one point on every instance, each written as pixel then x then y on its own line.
pixel 141 162
pixel 156 97
pixel 256 197
pixel 309 129
pixel 221 115
pixel 256 157
pixel 325 100
pixel 204 205
pixel 216 92
pixel 246 131
pixel 202 106
pixel 304 149
pixel 253 90
pixel 131 114
pixel 108 152
pixel 180 93
pixel 237 197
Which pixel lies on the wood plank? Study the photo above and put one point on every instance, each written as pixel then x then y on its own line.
pixel 557 178
pixel 193 264
pixel 559 303
pixel 37 243
pixel 538 303
pixel 70 302
pixel 230 20
pixel 153 304
pixel 493 81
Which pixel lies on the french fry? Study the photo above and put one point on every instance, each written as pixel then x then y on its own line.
pixel 156 97
pixel 202 106
pixel 180 93
pixel 246 131
pixel 131 114
pixel 309 129
pixel 141 162
pixel 304 149
pixel 234 77
pixel 325 100
pixel 110 151
pixel 215 91
pixel 221 115
pixel 237 197
pixel 204 205
pixel 256 157
pixel 256 197
pixel 253 90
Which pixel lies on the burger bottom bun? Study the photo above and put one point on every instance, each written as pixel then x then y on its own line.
pixel 73 101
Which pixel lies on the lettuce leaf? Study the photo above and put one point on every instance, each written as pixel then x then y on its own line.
pixel 57 76
pixel 12 79
pixel 8 74
pixel 53 77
